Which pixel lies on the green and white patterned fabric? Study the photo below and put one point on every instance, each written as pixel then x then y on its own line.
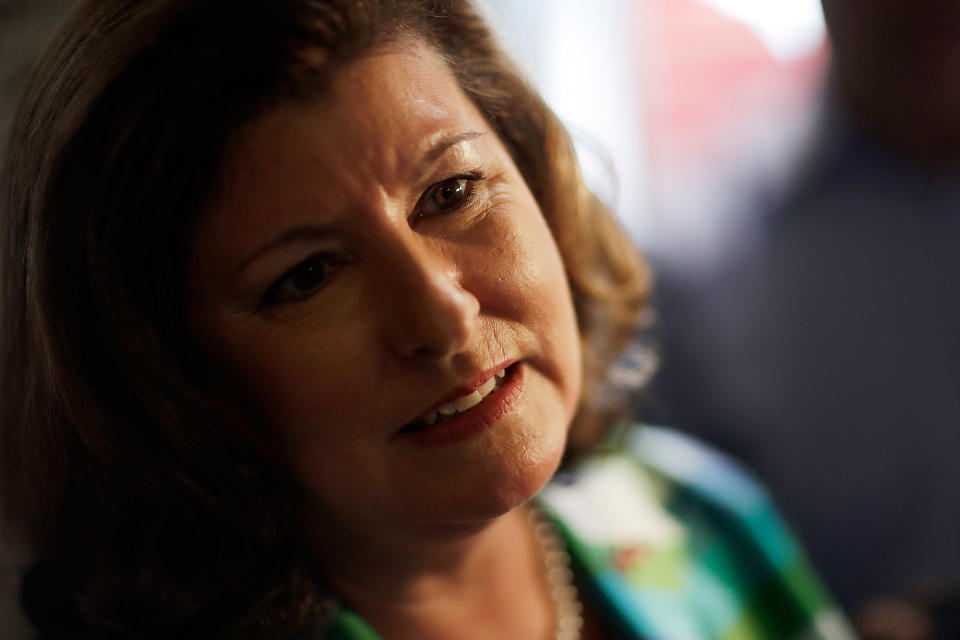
pixel 673 541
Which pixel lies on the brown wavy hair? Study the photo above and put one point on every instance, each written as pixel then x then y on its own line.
pixel 148 513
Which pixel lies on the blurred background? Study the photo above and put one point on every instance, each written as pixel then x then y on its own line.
pixel 660 94
pixel 797 197
pixel 657 92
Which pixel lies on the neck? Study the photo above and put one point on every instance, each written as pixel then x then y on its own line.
pixel 483 580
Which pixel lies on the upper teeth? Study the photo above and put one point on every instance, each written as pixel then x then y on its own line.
pixel 465 402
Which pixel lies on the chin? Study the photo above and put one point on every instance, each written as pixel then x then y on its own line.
pixel 516 472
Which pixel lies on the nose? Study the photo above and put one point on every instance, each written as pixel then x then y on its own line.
pixel 424 309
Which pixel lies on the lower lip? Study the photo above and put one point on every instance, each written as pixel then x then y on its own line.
pixel 477 419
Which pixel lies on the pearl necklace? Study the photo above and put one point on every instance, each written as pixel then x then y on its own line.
pixel 556 560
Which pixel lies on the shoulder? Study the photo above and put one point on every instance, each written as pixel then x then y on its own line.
pixel 655 470
pixel 686 462
pixel 662 515
pixel 704 480
pixel 658 487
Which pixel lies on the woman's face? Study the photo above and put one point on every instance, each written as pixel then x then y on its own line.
pixel 371 258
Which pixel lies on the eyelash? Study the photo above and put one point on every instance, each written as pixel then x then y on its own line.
pixel 274 295
pixel 471 179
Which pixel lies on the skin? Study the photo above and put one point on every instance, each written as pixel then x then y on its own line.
pixel 415 299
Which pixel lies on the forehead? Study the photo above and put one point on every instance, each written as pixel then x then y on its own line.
pixel 327 161
pixel 382 112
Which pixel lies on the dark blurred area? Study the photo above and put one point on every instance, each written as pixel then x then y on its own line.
pixel 25 28
pixel 816 335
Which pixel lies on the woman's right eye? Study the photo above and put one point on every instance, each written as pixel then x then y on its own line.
pixel 302 281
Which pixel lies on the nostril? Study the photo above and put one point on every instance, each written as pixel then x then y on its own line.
pixel 433 326
pixel 426 310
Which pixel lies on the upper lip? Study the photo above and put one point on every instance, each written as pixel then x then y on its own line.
pixel 465 389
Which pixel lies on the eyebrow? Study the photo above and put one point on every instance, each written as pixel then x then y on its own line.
pixel 300 233
pixel 319 232
pixel 441 146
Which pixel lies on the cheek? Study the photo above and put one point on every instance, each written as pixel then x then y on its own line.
pixel 313 395
pixel 531 288
pixel 560 332
pixel 297 380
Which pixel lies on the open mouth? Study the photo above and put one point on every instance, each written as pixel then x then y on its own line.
pixel 449 411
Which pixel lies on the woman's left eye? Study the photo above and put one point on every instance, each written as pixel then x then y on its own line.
pixel 450 194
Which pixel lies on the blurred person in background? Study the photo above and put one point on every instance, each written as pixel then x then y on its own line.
pixel 818 336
